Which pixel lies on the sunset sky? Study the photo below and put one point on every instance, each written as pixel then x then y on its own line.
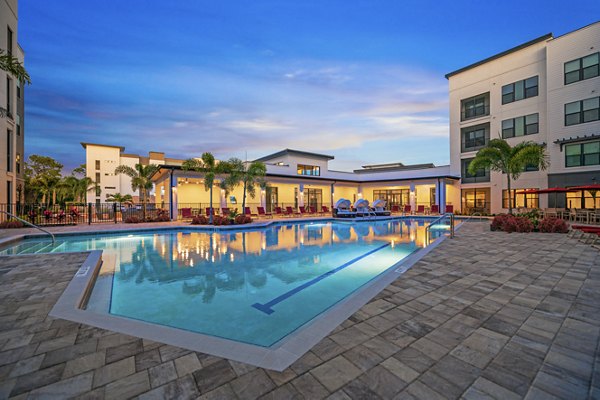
pixel 360 80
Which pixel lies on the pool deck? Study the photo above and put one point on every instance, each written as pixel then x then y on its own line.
pixel 483 315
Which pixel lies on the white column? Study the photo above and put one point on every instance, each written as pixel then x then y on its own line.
pixel 442 200
pixel 173 197
pixel 333 200
pixel 301 195
pixel 263 198
pixel 413 197
pixel 223 199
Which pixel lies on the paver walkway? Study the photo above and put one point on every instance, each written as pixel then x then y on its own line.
pixel 485 315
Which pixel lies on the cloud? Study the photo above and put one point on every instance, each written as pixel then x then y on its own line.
pixel 258 124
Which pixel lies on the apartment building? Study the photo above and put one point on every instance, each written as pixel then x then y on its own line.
pixel 546 91
pixel 101 161
pixel 12 125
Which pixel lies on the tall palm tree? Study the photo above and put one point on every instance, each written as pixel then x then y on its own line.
pixel 141 179
pixel 499 156
pixel 250 176
pixel 210 168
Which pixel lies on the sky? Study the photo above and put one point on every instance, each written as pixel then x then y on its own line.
pixel 360 80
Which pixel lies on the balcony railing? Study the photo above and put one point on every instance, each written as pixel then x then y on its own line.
pixel 474 112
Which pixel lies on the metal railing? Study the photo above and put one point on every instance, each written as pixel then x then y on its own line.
pixel 30 224
pixel 437 220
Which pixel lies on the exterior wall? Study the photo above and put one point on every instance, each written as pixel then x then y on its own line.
pixel 8 173
pixel 109 160
pixel 490 77
pixel 561 50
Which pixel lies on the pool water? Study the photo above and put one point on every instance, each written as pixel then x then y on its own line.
pixel 252 286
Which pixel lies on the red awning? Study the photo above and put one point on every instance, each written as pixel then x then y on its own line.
pixel 549 190
pixel 587 187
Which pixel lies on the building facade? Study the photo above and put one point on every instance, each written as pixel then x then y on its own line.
pixel 101 161
pixel 12 125
pixel 546 91
pixel 295 178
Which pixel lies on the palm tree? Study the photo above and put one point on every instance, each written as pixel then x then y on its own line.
pixel 141 179
pixel 12 66
pixel 499 156
pixel 120 198
pixel 251 176
pixel 210 168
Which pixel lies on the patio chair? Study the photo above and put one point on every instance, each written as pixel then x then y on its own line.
pixel 208 211
pixel 313 210
pixel 224 211
pixel 407 209
pixel 325 210
pixel 395 209
pixel 278 212
pixel 303 211
pixel 248 212
pixel 289 211
pixel 449 208
pixel 262 213
pixel 435 209
pixel 186 213
pixel 420 209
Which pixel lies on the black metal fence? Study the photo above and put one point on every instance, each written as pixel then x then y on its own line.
pixel 81 213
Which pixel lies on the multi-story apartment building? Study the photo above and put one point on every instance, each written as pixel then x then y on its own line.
pixel 546 91
pixel 12 99
pixel 101 161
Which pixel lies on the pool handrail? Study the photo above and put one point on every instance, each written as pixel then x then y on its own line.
pixel 30 224
pixel 441 217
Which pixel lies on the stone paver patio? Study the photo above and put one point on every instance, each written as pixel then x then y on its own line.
pixel 485 315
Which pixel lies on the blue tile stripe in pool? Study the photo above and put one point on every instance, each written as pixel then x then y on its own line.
pixel 267 307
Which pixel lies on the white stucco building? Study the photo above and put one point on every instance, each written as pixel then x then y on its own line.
pixel 546 91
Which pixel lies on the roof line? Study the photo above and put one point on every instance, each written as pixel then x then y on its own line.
pixel 504 53
pixel 300 152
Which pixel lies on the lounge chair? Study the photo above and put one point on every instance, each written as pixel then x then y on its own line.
pixel 289 211
pixel 313 210
pixel 249 213
pixel 362 208
pixel 420 209
pixel 379 208
pixel 407 209
pixel 435 209
pixel 278 212
pixel 186 213
pixel 395 209
pixel 342 209
pixel 262 213
pixel 449 208
pixel 325 210
pixel 208 211
pixel 225 211
pixel 303 211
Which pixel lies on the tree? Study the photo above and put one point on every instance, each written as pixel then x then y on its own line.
pixel 12 66
pixel 210 168
pixel 499 156
pixel 120 198
pixel 42 173
pixel 250 176
pixel 141 179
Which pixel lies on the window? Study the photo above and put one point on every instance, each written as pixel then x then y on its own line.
pixel 98 177
pixel 97 164
pixel 476 200
pixel 475 137
pixel 482 175
pixel 310 170
pixel 18 163
pixel 474 107
pixel 520 90
pixel 580 112
pixel 8 97
pixel 18 89
pixel 8 150
pixel 582 68
pixel 582 154
pixel 18 125
pixel 520 126
pixel 9 40
pixel 529 200
pixel 394 197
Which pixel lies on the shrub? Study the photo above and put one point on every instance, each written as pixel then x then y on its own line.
pixel 247 219
pixel 225 221
pixel 240 219
pixel 132 220
pixel 11 224
pixel 499 220
pixel 199 220
pixel 217 220
pixel 523 224
pixel 553 225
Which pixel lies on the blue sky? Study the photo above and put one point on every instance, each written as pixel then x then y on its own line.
pixel 361 80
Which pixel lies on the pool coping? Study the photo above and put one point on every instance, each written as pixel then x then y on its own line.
pixel 277 357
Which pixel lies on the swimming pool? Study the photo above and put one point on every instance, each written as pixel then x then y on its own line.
pixel 255 286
